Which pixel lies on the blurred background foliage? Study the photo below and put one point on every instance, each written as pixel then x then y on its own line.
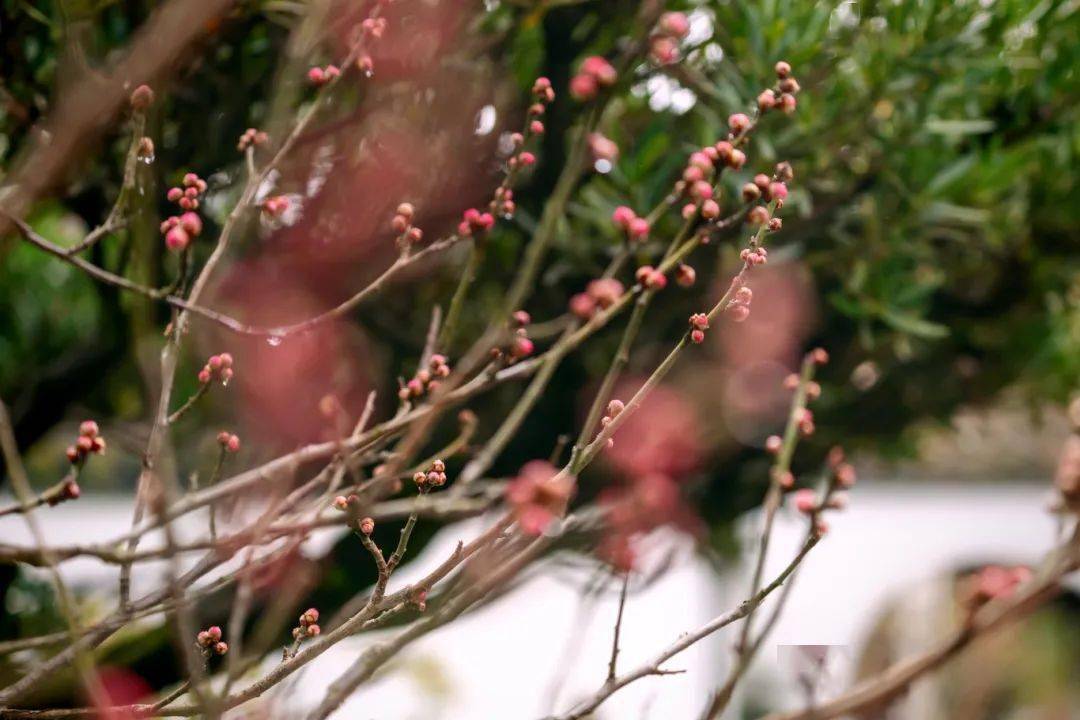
pixel 935 153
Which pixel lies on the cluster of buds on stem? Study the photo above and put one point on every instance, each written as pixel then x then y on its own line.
pixel 503 202
pixel 634 228
pixel 251 137
pixel 544 95
pixel 521 345
pixel 841 472
pixel 695 184
pixel 229 443
pixel 434 477
pixel 319 76
pixel 89 443
pixel 599 294
pixel 595 72
pixel 426 379
pixel 218 367
pixel 180 229
pixel 664 42
pixel 308 626
pixel 782 96
pixel 407 233
pixel 210 642
pixel 614 408
pixel 474 221
pixel 738 308
pixel 650 278
pixel 699 323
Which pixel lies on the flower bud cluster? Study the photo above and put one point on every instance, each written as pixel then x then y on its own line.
pixel 650 278
pixel 426 379
pixel 664 42
pixel 319 76
pixel 407 233
pixel 209 640
pixel 251 137
pixel 218 367
pixel 699 323
pixel 90 442
pixel 474 221
pixel 180 229
pixel 634 228
pixel 228 442
pixel 434 477
pixel 595 73
pixel 782 97
pixel 599 294
pixel 308 626
pixel 738 308
pixel 520 346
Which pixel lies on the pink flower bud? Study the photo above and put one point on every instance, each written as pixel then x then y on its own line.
pixel 177 239
pixel 783 69
pixel 623 216
pixel 191 223
pixel 583 87
pixel 88 428
pixel 522 347
pixel 663 50
pixel 674 24
pixel 316 76
pixel 142 97
pixel 701 190
pixel 773 443
pixel 787 103
pixel 600 69
pixel 582 305
pixel 367 526
pixel 701 160
pixel 766 100
pixel 174 194
pixel 638 229
pixel 710 209
pixel 341 503
pixel 759 215
pixel 221 648
pixel 777 191
pixel 697 336
pixel 685 275
pixel 536 127
pixel 737 159
pixel 805 500
pixel 739 123
pixel 738 313
pixel 526 158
